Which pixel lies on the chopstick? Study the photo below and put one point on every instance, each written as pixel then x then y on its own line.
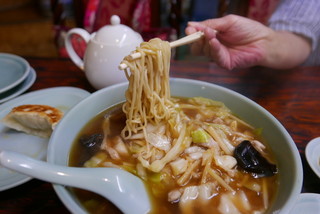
pixel 187 39
pixel 183 41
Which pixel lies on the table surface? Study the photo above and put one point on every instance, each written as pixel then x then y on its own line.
pixel 292 96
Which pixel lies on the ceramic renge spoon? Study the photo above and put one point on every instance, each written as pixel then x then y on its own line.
pixel 122 188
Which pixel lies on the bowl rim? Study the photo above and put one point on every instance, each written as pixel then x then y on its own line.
pixel 73 206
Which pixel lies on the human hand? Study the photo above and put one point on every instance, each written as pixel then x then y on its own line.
pixel 231 41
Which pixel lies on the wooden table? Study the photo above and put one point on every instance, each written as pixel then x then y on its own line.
pixel 292 96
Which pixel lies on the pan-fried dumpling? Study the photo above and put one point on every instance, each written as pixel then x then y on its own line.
pixel 38 120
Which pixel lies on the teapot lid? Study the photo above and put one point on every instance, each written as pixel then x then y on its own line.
pixel 116 33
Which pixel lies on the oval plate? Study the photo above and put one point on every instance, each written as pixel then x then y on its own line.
pixel 63 98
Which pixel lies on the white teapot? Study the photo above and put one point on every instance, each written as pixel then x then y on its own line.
pixel 106 48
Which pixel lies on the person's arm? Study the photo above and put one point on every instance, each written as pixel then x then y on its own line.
pixel 242 42
pixel 285 50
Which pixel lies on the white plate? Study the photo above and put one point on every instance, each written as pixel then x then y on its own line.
pixel 13 70
pixel 313 155
pixel 308 203
pixel 22 87
pixel 63 98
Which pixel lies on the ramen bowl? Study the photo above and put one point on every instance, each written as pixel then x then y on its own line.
pixel 278 139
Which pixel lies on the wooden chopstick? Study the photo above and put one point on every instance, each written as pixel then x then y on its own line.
pixel 183 41
pixel 187 39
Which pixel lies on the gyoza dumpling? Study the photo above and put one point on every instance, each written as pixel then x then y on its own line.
pixel 38 120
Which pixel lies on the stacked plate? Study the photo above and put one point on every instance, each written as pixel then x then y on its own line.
pixel 16 76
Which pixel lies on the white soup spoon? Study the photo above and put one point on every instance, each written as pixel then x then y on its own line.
pixel 123 189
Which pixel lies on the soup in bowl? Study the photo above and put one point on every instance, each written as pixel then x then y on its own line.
pixel 284 157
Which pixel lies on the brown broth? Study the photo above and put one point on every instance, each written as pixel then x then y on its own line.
pixel 96 204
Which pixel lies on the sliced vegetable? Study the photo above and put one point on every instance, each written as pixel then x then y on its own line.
pixel 207 101
pixel 97 159
pixel 179 166
pixel 200 136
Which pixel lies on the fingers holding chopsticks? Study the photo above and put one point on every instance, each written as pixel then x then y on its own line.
pixel 202 46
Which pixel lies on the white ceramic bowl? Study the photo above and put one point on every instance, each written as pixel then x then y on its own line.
pixel 287 155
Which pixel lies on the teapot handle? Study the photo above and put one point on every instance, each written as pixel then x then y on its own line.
pixel 72 54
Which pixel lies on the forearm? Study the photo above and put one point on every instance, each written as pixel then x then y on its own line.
pixel 284 50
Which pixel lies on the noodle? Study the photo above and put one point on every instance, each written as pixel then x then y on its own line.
pixel 148 94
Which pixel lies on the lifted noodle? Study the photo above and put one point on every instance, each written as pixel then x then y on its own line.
pixel 148 94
